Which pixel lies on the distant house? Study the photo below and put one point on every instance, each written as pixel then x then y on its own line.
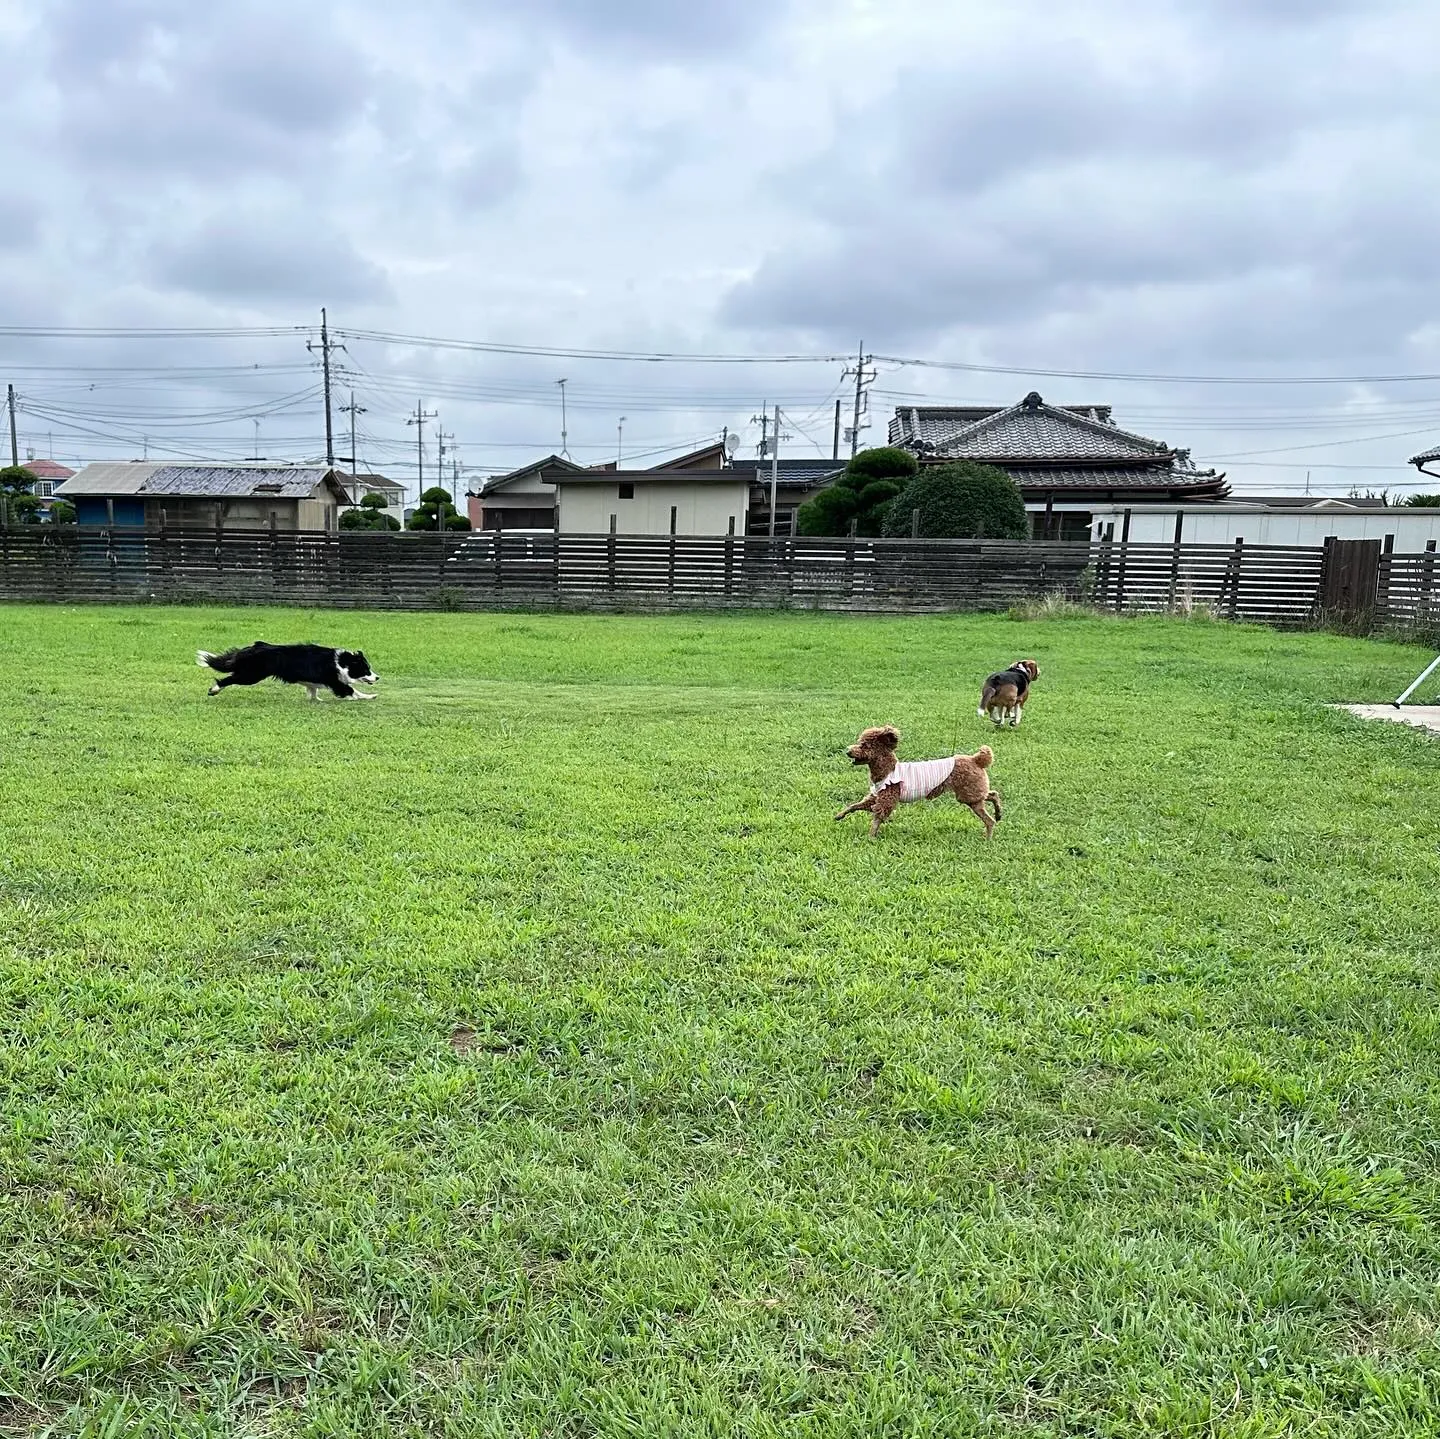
pixel 145 494
pixel 651 502
pixel 526 498
pixel 1428 457
pixel 797 481
pixel 522 500
pixel 361 485
pixel 1067 459
pixel 47 475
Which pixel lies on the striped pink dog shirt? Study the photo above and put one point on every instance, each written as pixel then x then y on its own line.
pixel 917 778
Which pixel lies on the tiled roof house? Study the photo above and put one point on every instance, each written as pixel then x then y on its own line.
pixel 1063 457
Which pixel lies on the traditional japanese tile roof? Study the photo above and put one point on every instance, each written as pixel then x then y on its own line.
pixel 1051 447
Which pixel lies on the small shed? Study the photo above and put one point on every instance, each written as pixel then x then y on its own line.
pixel 139 494
pixel 652 502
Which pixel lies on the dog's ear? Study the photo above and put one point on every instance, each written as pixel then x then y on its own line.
pixel 887 736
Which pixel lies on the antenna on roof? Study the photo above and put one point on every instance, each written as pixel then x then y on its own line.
pixel 564 433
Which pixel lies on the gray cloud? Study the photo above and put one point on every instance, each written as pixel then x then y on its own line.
pixel 660 27
pixel 1194 185
pixel 1045 180
pixel 239 260
pixel 206 93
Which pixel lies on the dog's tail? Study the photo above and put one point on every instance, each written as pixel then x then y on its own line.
pixel 224 663
pixel 984 756
pixel 987 696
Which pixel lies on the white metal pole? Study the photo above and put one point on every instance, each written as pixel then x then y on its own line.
pixel 1429 670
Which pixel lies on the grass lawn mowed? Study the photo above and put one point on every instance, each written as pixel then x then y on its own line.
pixel 527 1052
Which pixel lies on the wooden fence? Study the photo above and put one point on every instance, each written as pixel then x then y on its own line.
pixel 491 570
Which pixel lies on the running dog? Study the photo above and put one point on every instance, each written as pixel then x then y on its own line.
pixel 1005 693
pixel 314 666
pixel 893 783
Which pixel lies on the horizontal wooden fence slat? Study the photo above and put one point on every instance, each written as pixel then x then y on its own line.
pixel 1276 584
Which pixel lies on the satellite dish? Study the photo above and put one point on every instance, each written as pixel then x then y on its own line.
pixel 732 443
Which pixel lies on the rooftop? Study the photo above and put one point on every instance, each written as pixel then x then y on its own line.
pixel 197 481
pixel 47 470
pixel 652 477
pixel 1031 430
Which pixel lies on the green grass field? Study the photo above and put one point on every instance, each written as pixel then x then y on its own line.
pixel 528 1052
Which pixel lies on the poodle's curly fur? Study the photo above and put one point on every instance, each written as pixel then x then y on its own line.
pixel 968 779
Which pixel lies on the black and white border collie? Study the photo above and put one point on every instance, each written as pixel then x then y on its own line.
pixel 315 667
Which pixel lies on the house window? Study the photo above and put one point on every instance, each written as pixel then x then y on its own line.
pixel 627 490
pixel 44 489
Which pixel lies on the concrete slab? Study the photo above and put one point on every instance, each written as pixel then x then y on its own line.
pixel 1426 717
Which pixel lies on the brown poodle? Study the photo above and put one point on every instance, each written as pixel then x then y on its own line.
pixel 893 783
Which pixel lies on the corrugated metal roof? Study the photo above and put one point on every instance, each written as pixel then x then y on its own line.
pixel 1427 457
pixel 136 477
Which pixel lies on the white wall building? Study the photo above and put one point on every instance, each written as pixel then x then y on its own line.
pixel 1262 524
pixel 651 503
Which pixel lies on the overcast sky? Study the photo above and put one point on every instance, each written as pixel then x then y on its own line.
pixel 1179 187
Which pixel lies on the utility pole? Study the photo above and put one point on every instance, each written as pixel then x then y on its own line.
pixel 863 378
pixel 835 447
pixel 564 418
pixel 14 443
pixel 774 470
pixel 763 420
pixel 418 420
pixel 440 438
pixel 325 347
pixel 352 409
pixel 619 440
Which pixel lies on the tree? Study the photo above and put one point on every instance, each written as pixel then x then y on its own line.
pixel 23 508
pixel 16 480
pixel 861 494
pixel 20 505
pixel 436 512
pixel 1426 502
pixel 960 501
pixel 62 512
pixel 369 516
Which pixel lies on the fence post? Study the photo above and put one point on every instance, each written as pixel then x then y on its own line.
pixel 1382 588
pixel 1120 570
pixel 914 524
pixel 729 555
pixel 670 571
pixel 1427 573
pixel 610 553
pixel 1236 560
pixel 1175 558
